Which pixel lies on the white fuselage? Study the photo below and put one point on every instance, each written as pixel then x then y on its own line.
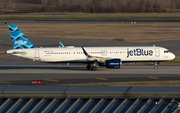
pixel 76 54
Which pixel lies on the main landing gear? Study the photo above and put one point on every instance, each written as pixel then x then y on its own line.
pixel 89 67
pixel 92 67
pixel 155 65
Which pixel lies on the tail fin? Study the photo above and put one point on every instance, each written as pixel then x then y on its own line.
pixel 18 39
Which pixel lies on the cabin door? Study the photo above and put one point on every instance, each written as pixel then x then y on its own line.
pixel 36 53
pixel 157 52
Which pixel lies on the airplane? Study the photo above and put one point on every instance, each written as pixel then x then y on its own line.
pixel 109 57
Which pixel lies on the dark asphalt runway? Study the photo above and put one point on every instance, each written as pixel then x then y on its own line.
pixel 53 79
pixel 71 74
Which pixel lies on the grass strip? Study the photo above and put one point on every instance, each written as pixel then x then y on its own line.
pixel 93 16
pixel 134 33
pixel 137 83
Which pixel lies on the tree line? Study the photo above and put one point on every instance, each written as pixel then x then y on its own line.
pixel 92 6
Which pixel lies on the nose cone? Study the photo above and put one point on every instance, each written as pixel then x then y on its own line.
pixel 172 56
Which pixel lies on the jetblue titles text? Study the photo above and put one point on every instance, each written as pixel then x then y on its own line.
pixel 139 52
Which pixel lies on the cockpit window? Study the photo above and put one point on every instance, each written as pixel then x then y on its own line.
pixel 166 51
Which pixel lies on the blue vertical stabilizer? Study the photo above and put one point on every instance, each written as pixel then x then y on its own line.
pixel 18 39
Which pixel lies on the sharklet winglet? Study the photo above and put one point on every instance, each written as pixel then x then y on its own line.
pixel 62 46
pixel 85 52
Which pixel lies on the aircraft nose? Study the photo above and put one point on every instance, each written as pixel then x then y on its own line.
pixel 172 56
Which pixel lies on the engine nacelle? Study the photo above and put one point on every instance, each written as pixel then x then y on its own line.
pixel 113 63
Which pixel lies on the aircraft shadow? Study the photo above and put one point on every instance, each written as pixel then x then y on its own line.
pixel 42 67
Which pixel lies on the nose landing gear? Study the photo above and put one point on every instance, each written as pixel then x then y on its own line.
pixel 155 65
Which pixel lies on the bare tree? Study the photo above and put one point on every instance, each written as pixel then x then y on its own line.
pixel 97 6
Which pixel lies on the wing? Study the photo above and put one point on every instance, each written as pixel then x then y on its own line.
pixel 96 58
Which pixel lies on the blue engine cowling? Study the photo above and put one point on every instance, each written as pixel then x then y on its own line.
pixel 113 63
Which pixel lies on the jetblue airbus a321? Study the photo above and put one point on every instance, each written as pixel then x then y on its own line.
pixel 110 57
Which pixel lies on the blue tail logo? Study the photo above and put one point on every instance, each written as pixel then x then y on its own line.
pixel 18 39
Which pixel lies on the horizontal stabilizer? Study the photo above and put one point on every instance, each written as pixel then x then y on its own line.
pixel 22 53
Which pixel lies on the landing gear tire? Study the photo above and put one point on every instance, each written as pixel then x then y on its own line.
pixel 155 67
pixel 94 68
pixel 89 67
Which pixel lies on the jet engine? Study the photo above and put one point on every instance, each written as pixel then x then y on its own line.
pixel 113 63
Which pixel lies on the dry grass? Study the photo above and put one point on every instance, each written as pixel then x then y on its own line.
pixel 139 83
pixel 89 6
pixel 93 16
pixel 138 33
pixel 176 61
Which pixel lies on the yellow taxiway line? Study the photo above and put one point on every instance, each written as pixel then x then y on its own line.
pixel 153 77
pixel 4 82
pixel 102 78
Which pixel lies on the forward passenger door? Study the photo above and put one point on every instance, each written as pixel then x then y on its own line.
pixel 157 52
